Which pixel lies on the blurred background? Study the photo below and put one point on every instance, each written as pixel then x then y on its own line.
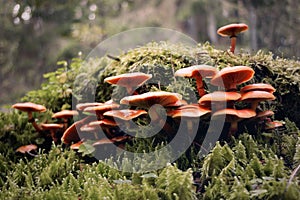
pixel 35 34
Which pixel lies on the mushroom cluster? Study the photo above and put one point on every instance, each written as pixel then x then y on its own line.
pixel 111 122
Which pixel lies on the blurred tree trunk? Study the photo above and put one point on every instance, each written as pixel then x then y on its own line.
pixel 211 21
pixel 253 27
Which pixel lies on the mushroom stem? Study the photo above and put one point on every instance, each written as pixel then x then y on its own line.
pixel 131 91
pixel 233 128
pixel 52 132
pixel 200 86
pixel 254 105
pixel 233 42
pixel 156 119
pixel 32 121
pixel 190 125
pixel 65 123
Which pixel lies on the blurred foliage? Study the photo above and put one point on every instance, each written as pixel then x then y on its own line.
pixel 35 34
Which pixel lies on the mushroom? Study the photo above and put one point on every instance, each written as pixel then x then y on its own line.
pixel 65 115
pixel 107 125
pixel 82 106
pixel 233 116
pixel 29 108
pixel 254 97
pixel 273 125
pixel 125 115
pixel 112 140
pixel 130 81
pixel 52 128
pixel 219 98
pixel 232 30
pixel 99 110
pixel 264 114
pixel 190 114
pixel 89 129
pixel 198 72
pixel 258 87
pixel 27 149
pixel 71 134
pixel 148 99
pixel 76 145
pixel 230 77
pixel 154 102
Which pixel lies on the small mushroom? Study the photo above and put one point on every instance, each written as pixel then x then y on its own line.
pixel 264 114
pixel 230 77
pixel 190 114
pixel 198 72
pixel 108 126
pixel 91 132
pixel 29 108
pixel 52 128
pixel 130 81
pixel 258 87
pixel 112 140
pixel 99 110
pixel 82 106
pixel 125 115
pixel 254 97
pixel 219 98
pixel 65 115
pixel 76 145
pixel 154 102
pixel 146 100
pixel 71 134
pixel 232 30
pixel 233 116
pixel 27 149
pixel 273 125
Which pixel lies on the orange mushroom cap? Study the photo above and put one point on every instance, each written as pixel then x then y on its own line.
pixel 71 134
pixel 125 114
pixel 257 96
pixel 189 112
pixel 51 126
pixel 146 100
pixel 101 108
pixel 29 107
pixel 88 128
pixel 65 114
pixel 235 115
pixel 266 113
pixel 129 80
pixel 76 145
pixel 103 122
pixel 112 140
pixel 203 70
pixel 82 106
pixel 26 148
pixel 273 125
pixel 218 96
pixel 230 77
pixel 232 30
pixel 258 86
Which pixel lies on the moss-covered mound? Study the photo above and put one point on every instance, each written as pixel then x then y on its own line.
pixel 255 164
